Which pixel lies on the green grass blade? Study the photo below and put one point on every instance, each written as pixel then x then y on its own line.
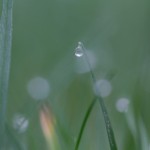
pixel 13 138
pixel 109 129
pixel 108 125
pixel 5 54
pixel 84 123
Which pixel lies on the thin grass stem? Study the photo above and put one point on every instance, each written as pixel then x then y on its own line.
pixel 88 112
pixel 108 125
pixel 109 129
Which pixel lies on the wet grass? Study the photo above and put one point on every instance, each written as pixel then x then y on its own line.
pixel 5 58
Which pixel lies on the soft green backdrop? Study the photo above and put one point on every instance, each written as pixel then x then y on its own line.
pixel 45 34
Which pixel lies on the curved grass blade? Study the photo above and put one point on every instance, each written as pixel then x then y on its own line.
pixel 108 125
pixel 84 123
pixel 5 55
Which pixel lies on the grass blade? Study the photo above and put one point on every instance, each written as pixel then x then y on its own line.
pixel 5 54
pixel 13 139
pixel 108 125
pixel 109 129
pixel 84 123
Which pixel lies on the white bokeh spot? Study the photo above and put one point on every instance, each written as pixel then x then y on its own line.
pixel 122 104
pixel 102 88
pixel 38 88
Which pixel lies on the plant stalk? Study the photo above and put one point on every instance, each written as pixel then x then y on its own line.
pixel 109 129
pixel 5 58
pixel 84 123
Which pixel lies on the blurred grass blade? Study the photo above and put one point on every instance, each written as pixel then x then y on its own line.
pixel 132 125
pixel 47 121
pixel 5 54
pixel 84 123
pixel 109 128
pixel 13 139
pixel 143 134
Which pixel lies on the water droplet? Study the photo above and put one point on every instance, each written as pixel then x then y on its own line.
pixel 82 65
pixel 20 123
pixel 79 50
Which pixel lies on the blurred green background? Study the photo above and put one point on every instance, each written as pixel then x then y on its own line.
pixel 45 35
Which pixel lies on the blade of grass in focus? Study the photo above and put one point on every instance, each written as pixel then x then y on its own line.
pixel 110 133
pixel 109 128
pixel 5 55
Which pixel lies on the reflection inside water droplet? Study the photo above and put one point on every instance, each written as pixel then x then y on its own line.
pixel 79 50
